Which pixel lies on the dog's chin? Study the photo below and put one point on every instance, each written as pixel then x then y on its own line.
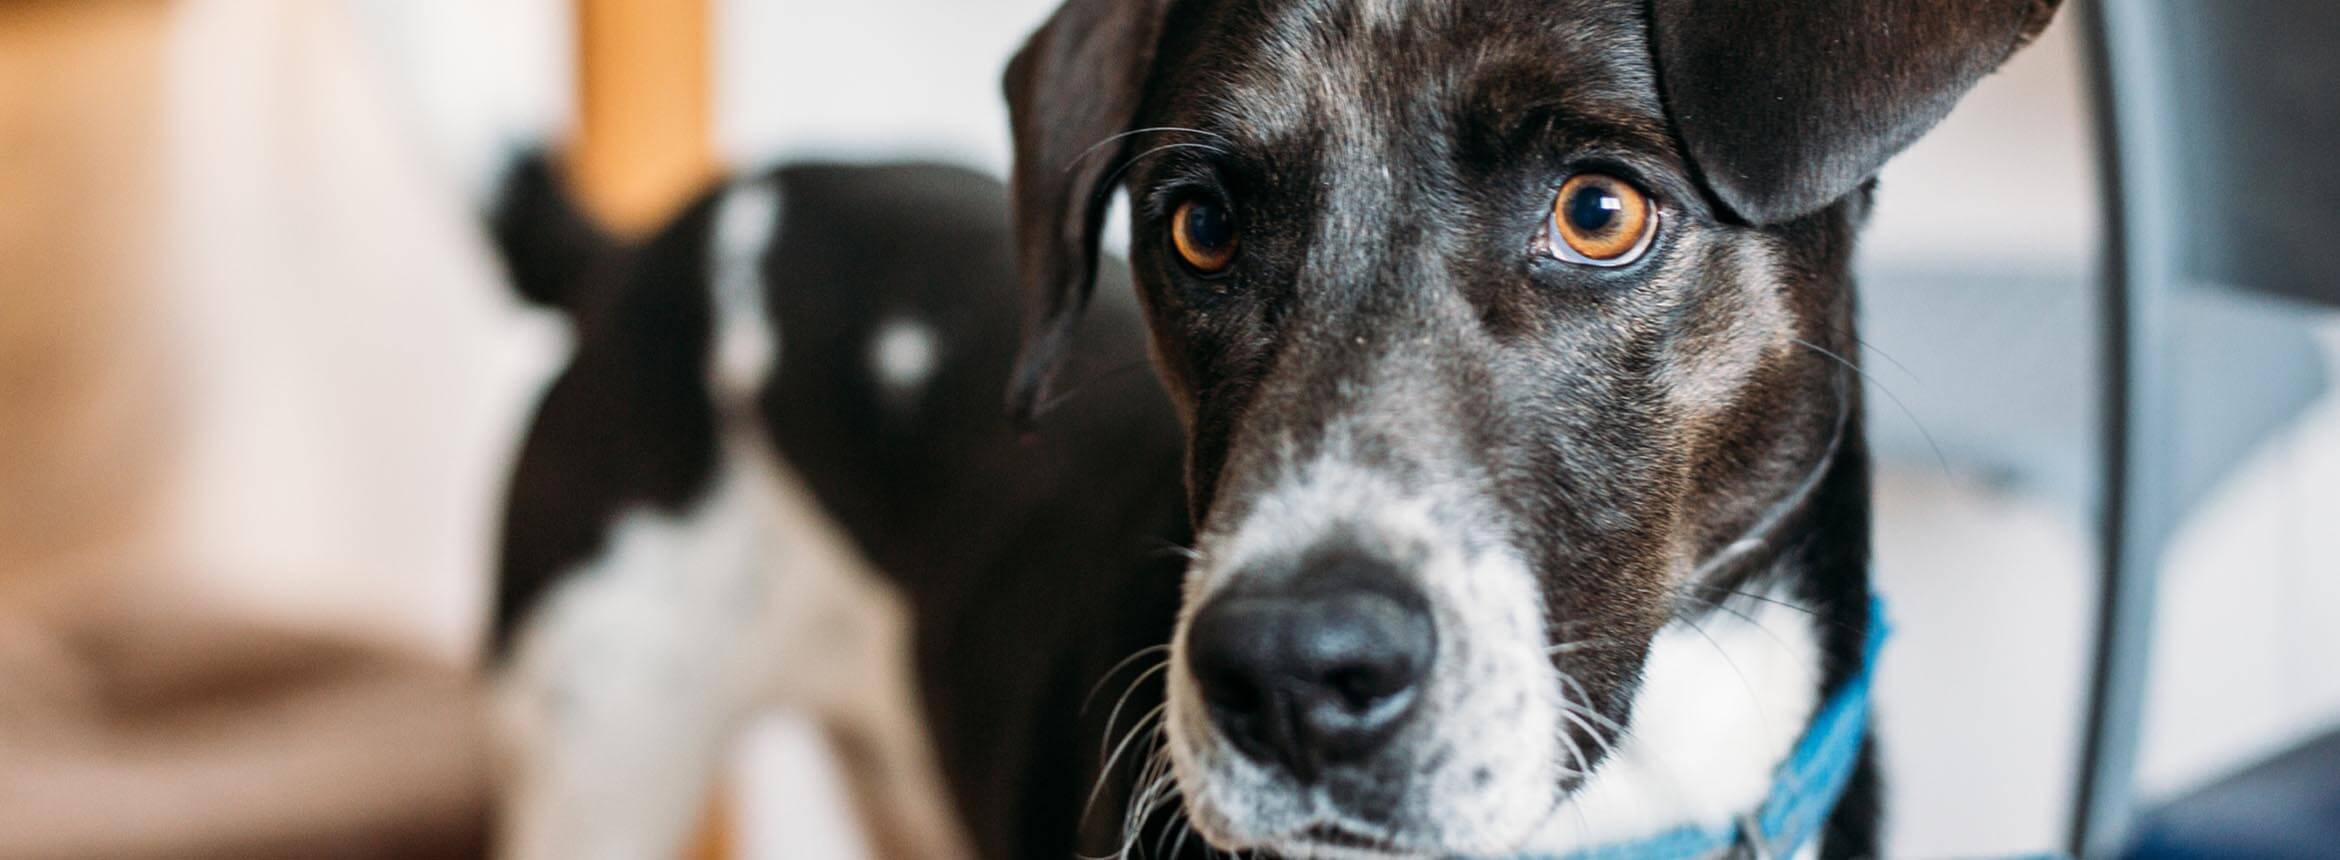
pixel 1344 840
pixel 1277 820
pixel 1335 841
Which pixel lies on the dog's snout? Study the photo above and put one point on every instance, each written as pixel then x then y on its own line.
pixel 1317 672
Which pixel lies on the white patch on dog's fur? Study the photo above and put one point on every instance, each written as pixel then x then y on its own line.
pixel 625 681
pixel 629 683
pixel 747 338
pixel 1491 703
pixel 902 355
pixel 1722 704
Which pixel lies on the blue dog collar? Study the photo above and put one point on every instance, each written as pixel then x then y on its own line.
pixel 1803 793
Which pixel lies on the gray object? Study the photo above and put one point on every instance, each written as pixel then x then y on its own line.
pixel 2217 128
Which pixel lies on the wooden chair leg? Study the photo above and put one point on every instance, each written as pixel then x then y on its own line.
pixel 644 141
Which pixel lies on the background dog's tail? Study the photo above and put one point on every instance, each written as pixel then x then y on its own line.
pixel 550 245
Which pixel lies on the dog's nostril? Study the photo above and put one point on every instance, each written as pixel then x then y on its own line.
pixel 1226 686
pixel 1314 673
pixel 1362 688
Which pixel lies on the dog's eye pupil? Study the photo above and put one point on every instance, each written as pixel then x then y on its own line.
pixel 1203 233
pixel 1593 209
pixel 1207 224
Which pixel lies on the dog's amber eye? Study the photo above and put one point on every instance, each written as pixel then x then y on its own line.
pixel 1600 220
pixel 1203 232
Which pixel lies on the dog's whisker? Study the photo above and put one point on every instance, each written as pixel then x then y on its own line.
pixel 1601 742
pixel 1750 595
pixel 1182 551
pixel 1584 824
pixel 1753 698
pixel 1113 180
pixel 1133 821
pixel 1777 515
pixel 1576 751
pixel 1791 606
pixel 1172 805
pixel 1105 773
pixel 1158 787
pixel 1939 458
pixel 1099 146
pixel 1574 645
pixel 1575 714
pixel 1152 780
pixel 1113 717
pixel 1587 708
pixel 1136 728
pixel 1752 621
pixel 1162 838
pixel 1185 830
pixel 1889 359
pixel 1570 710
pixel 1134 656
pixel 1084 386
pixel 1868 348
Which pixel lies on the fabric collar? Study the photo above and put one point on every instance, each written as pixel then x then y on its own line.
pixel 1803 793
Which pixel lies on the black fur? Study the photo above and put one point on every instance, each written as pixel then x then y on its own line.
pixel 1787 107
pixel 551 248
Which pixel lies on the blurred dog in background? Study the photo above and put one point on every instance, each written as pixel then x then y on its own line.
pixel 775 473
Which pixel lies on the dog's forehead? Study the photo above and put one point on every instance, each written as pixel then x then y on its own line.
pixel 1275 71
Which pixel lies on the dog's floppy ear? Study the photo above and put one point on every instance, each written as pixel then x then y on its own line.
pixel 1074 86
pixel 1787 105
pixel 550 245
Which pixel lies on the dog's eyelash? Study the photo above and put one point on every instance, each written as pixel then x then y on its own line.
pixel 1160 202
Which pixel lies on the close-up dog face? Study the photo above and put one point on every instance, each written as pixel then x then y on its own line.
pixel 1466 359
pixel 1503 334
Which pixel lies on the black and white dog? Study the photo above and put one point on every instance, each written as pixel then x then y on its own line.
pixel 776 473
pixel 1524 504
pixel 1513 343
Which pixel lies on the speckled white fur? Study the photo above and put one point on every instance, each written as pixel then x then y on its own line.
pixel 1722 702
pixel 1491 699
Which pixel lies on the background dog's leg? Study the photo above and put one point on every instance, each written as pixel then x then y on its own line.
pixel 630 682
pixel 844 651
pixel 614 731
pixel 875 724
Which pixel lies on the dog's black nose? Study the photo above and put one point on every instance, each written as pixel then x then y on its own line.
pixel 1317 672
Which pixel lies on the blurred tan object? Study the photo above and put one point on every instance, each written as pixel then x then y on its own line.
pixel 145 711
pixel 645 98
pixel 135 730
pixel 84 416
pixel 353 367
